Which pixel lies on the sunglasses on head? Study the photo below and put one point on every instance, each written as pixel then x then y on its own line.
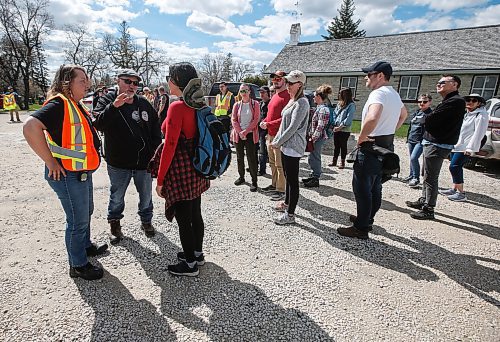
pixel 472 100
pixel 129 81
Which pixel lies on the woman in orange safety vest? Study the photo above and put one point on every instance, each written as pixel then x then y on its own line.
pixel 61 134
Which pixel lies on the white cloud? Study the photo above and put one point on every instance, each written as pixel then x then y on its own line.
pixel 137 33
pixel 483 16
pixel 276 28
pixel 223 9
pixel 246 52
pixel 213 25
pixel 443 5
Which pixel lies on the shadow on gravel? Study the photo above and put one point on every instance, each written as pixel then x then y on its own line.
pixel 223 308
pixel 483 200
pixel 374 251
pixel 119 316
pixel 478 228
pixel 463 269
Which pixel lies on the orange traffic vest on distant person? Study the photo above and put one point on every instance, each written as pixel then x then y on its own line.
pixel 222 103
pixel 77 152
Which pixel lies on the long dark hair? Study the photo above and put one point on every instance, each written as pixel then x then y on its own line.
pixel 345 97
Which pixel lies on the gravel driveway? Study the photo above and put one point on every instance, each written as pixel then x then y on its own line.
pixel 412 281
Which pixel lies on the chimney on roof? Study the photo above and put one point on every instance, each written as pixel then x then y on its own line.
pixel 294 34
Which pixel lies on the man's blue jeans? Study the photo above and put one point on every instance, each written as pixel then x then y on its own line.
pixel 314 158
pixel 120 179
pixel 78 203
pixel 367 188
pixel 415 150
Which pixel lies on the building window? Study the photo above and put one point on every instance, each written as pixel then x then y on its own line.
pixel 484 85
pixel 408 87
pixel 349 82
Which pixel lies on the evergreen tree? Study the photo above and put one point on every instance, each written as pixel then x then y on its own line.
pixel 344 26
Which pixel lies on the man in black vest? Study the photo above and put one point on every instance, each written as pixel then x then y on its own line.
pixel 131 136
pixel 442 129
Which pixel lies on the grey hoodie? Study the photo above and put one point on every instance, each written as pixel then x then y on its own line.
pixel 293 128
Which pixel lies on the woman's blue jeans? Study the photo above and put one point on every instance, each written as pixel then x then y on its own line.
pixel 78 203
pixel 415 150
pixel 314 158
pixel 458 160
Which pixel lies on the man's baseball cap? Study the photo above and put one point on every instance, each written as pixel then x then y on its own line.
pixel 381 66
pixel 279 73
pixel 129 73
pixel 296 76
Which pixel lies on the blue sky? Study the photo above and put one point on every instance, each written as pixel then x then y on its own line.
pixel 254 31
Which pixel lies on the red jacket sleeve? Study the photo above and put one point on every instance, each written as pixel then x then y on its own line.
pixel 171 129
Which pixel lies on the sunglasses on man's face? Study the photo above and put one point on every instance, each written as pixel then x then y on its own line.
pixel 440 83
pixel 424 102
pixel 129 81
pixel 472 100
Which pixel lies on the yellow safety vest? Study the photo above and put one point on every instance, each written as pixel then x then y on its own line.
pixel 9 102
pixel 77 152
pixel 222 103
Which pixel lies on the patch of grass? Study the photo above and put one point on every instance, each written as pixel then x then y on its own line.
pixel 35 106
pixel 401 132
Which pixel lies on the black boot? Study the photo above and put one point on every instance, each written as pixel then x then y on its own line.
pixel 87 272
pixel 427 213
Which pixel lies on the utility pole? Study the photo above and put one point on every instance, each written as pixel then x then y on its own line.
pixel 147 63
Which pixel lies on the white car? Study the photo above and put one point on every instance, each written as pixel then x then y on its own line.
pixel 491 149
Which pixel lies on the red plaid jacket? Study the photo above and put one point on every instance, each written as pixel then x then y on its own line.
pixel 182 182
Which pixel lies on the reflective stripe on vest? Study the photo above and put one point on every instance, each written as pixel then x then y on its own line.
pixel 9 102
pixel 222 106
pixel 77 151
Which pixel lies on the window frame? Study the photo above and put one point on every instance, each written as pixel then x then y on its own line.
pixel 408 88
pixel 494 89
pixel 355 84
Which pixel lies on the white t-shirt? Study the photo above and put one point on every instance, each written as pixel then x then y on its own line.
pixel 392 104
pixel 245 115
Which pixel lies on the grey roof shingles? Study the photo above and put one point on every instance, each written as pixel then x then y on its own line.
pixel 456 49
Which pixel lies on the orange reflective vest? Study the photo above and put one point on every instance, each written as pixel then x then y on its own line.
pixel 9 102
pixel 77 152
pixel 222 103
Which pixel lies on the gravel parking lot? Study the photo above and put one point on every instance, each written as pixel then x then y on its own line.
pixel 412 280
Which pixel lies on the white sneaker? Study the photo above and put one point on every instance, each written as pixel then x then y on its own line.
pixel 447 192
pixel 285 219
pixel 458 197
pixel 413 183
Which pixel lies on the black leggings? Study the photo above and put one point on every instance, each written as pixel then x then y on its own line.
pixel 340 142
pixel 291 171
pixel 191 226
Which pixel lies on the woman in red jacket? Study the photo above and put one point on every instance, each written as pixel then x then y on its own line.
pixel 178 182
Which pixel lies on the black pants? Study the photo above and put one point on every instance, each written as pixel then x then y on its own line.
pixel 191 226
pixel 433 161
pixel 263 157
pixel 251 149
pixel 291 171
pixel 340 143
pixel 367 188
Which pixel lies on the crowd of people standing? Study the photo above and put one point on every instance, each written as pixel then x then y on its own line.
pixel 277 131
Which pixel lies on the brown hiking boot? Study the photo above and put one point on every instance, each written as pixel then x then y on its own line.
pixel 342 164
pixel 353 232
pixel 148 229
pixel 116 231
pixel 334 162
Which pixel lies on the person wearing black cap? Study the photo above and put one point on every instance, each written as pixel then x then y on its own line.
pixel 132 134
pixel 442 129
pixel 382 114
